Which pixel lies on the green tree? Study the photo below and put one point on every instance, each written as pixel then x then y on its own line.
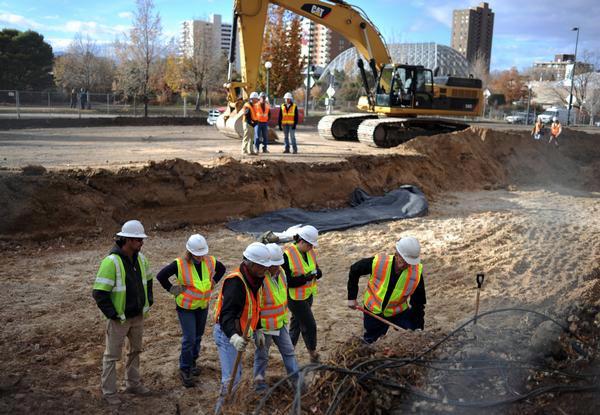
pixel 25 59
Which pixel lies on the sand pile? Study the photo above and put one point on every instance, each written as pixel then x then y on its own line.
pixel 176 193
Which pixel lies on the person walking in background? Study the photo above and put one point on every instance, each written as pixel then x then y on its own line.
pixel 555 131
pixel 262 110
pixel 288 119
pixel 250 122
pixel 88 100
pixel 273 299
pixel 197 273
pixel 302 272
pixel 395 291
pixel 73 98
pixel 123 292
pixel 538 129
pixel 82 98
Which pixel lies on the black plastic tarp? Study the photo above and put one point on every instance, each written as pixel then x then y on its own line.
pixel 404 202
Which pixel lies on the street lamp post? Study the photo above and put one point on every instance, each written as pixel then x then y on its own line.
pixel 268 66
pixel 528 103
pixel 576 29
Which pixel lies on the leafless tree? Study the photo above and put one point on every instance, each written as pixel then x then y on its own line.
pixel 479 68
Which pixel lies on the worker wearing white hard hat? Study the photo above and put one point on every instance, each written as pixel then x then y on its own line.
pixel 123 292
pixel 302 271
pixel 196 273
pixel 273 299
pixel 555 131
pixel 395 291
pixel 237 312
pixel 249 122
pixel 288 120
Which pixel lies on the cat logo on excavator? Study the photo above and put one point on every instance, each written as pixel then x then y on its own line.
pixel 316 10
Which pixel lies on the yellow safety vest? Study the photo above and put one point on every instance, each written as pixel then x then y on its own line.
pixel 287 117
pixel 379 284
pixel 250 313
pixel 272 297
pixel 299 267
pixel 197 290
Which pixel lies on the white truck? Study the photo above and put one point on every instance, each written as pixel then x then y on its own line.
pixel 560 113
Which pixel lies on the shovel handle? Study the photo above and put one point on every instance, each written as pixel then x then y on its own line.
pixel 392 325
pixel 479 280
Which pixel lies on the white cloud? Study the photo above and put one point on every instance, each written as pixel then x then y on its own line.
pixel 18 21
pixel 125 15
pixel 442 14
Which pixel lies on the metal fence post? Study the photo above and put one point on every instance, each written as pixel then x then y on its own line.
pixel 134 105
pixel 107 104
pixel 184 106
pixel 18 102
pixel 49 107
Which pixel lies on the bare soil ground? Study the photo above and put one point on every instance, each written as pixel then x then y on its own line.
pixel 527 215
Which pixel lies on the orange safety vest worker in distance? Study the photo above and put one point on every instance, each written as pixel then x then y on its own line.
pixel 272 299
pixel 249 106
pixel 250 313
pixel 300 267
pixel 379 284
pixel 262 115
pixel 287 116
pixel 555 129
pixel 197 290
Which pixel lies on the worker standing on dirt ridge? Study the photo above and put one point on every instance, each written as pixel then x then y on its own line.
pixel 288 120
pixel 237 314
pixel 538 129
pixel 262 109
pixel 250 122
pixel 273 299
pixel 123 292
pixel 555 131
pixel 395 291
pixel 302 271
pixel 196 273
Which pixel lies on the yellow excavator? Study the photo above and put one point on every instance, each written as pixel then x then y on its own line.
pixel 406 100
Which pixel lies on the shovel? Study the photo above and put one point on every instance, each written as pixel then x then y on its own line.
pixel 479 280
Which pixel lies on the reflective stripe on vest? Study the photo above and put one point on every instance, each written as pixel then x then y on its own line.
pixel 252 113
pixel 273 301
pixel 287 117
pixel 251 311
pixel 197 290
pixel 379 285
pixel 262 116
pixel 299 267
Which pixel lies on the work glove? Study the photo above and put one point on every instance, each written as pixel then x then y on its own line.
pixel 176 289
pixel 260 339
pixel 116 317
pixel 238 342
pixel 352 304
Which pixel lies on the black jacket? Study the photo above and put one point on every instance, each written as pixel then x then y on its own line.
pixel 299 281
pixel 134 294
pixel 295 116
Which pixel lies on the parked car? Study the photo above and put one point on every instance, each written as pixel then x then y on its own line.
pixel 560 113
pixel 518 118
pixel 213 114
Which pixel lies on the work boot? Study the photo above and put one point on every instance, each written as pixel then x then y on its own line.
pixel 186 378
pixel 265 150
pixel 295 151
pixel 112 399
pixel 286 151
pixel 260 385
pixel 195 370
pixel 314 356
pixel 140 390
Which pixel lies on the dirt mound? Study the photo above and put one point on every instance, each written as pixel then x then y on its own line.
pixel 176 193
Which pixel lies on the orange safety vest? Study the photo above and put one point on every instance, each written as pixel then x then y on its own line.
pixel 252 113
pixel 299 267
pixel 250 313
pixel 262 116
pixel 379 285
pixel 272 298
pixel 287 117
pixel 555 128
pixel 197 290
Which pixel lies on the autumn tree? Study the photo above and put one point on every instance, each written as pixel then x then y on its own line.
pixel 509 83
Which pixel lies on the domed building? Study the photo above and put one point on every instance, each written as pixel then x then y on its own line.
pixel 430 55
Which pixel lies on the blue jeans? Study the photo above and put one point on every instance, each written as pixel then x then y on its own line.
pixel 192 324
pixel 227 355
pixel 286 348
pixel 374 328
pixel 261 130
pixel 288 131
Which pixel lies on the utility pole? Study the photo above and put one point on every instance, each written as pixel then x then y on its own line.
pixel 308 65
pixel 575 29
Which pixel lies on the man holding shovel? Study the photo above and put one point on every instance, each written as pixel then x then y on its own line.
pixel 395 294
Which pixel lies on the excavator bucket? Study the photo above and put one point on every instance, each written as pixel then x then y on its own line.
pixel 230 123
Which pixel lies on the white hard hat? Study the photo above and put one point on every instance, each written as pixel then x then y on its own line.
pixel 554 119
pixel 276 254
pixel 197 245
pixel 258 253
pixel 132 229
pixel 254 95
pixel 262 95
pixel 409 249
pixel 288 95
pixel 309 233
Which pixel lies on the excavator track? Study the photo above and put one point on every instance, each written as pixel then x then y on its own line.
pixel 342 127
pixel 391 132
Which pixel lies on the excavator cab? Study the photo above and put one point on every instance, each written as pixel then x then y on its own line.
pixel 404 86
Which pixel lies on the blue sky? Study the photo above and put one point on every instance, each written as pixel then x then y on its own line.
pixel 524 32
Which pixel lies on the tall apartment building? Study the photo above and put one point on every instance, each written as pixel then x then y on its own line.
pixel 472 32
pixel 325 43
pixel 194 32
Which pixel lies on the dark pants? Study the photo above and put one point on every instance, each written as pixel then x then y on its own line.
pixel 374 328
pixel 192 325
pixel 303 322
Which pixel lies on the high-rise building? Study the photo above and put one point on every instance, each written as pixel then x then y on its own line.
pixel 325 43
pixel 196 32
pixel 472 32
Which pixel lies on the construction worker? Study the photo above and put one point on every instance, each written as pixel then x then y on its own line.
pixel 302 272
pixel 273 299
pixel 288 119
pixel 123 292
pixel 250 121
pixel 555 131
pixel 261 130
pixel 395 291
pixel 538 129
pixel 197 273
pixel 237 314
